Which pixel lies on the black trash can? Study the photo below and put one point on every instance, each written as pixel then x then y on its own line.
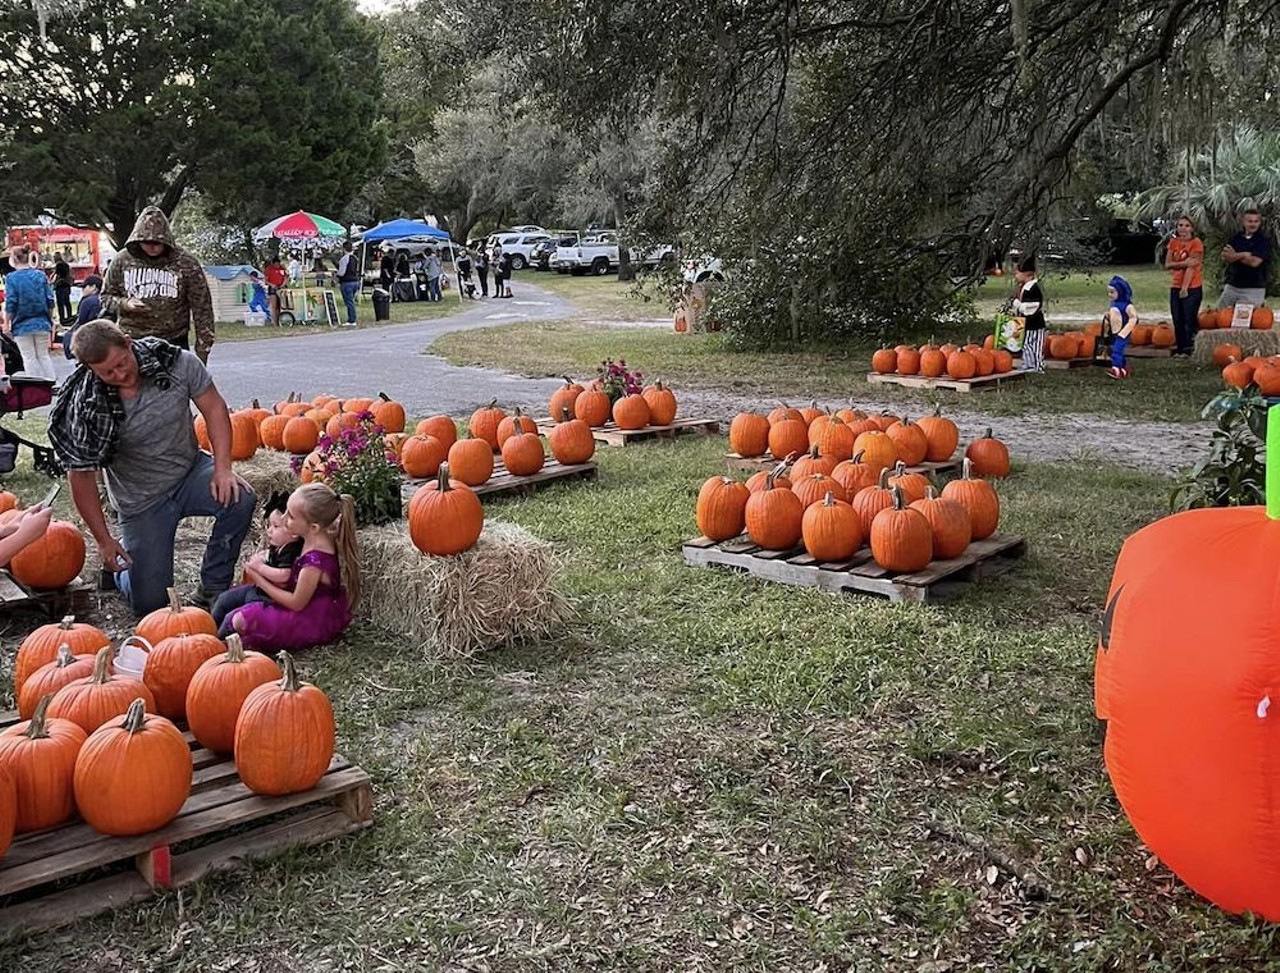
pixel 381 304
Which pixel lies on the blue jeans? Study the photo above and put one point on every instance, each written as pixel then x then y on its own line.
pixel 259 303
pixel 1185 311
pixel 350 289
pixel 433 289
pixel 148 537
pixel 1118 347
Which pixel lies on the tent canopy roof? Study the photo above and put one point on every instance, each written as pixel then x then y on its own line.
pixel 401 230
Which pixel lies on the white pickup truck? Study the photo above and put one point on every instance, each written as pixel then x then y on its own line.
pixel 598 255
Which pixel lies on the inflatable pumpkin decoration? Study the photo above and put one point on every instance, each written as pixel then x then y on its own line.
pixel 1191 695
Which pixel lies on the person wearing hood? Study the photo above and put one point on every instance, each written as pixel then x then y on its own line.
pixel 1120 319
pixel 158 290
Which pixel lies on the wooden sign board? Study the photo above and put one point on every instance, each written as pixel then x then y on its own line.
pixel 1242 316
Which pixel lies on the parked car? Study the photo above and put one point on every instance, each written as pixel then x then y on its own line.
pixel 544 252
pixel 527 228
pixel 519 245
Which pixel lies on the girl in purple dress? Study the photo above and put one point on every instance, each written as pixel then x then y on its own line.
pixel 315 606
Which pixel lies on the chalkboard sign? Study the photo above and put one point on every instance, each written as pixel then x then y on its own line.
pixel 330 309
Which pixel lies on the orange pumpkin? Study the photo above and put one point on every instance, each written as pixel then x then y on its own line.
pixel 1225 354
pixel 777 476
pixel 442 427
pixel 749 434
pixel 484 423
pixel 471 461
pixel 444 516
pixel 563 398
pixel 900 538
pixel 784 411
pixel 812 488
pixel 884 361
pixel 830 530
pixel 285 735
pixel 51 677
pixel 990 457
pixel 515 423
pixel 91 701
pixel 218 690
pixel 933 363
pixel 41 646
pixel 244 437
pixel 833 439
pixel 1207 320
pixel 662 404
pixel 300 435
pixel 631 412
pixel 421 456
pixel 1262 319
pixel 871 500
pixel 271 430
pixel 8 501
pixel 1162 336
pixel 1238 374
pixel 40 754
pixel 51 561
pixel 914 486
pixel 175 619
pixel 961 365
pixel 941 436
pixel 949 524
pixel 773 517
pixel 787 437
pixel 1223 315
pixel 855 475
pixel 910 442
pixel 812 462
pixel 978 497
pixel 1267 378
pixel 593 407
pixel 877 449
pixel 522 454
pixel 387 413
pixel 721 509
pixel 170 665
pixel 1063 347
pixel 201 428
pixel 571 440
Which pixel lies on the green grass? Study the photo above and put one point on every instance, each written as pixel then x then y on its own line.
pixel 1085 291
pixel 604 298
pixel 1160 389
pixel 708 772
pixel 401 313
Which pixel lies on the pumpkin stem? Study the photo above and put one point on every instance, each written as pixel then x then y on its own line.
pixel 493 404
pixel 857 457
pixel 442 478
pixel 36 729
pixel 289 681
pixel 884 478
pixel 829 500
pixel 937 410
pixel 564 412
pixel 67 622
pixel 101 663
pixel 136 716
pixel 254 404
pixel 568 382
pixel 987 434
pixel 813 452
pixel 175 601
pixel 235 648
pixel 384 397
pixel 899 468
pixel 930 493
pixel 966 469
pixel 899 502
pixel 1273 466
pixel 64 657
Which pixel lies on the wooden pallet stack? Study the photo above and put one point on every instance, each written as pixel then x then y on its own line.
pixel 611 435
pixel 71 600
pixel 979 383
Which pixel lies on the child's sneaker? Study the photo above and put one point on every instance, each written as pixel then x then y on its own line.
pixel 1116 372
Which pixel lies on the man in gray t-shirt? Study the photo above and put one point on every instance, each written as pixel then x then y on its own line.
pixel 127 412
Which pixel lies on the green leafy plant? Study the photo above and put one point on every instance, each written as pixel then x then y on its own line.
pixel 357 462
pixel 1232 474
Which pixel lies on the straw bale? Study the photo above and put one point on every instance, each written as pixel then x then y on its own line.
pixel 501 592
pixel 1260 343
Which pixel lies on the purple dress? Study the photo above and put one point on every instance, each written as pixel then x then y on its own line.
pixel 321 620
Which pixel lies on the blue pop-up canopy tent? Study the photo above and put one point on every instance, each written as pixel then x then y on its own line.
pixel 403 229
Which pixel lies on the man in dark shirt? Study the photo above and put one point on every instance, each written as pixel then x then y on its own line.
pixel 1247 257
pixel 89 309
pixel 62 282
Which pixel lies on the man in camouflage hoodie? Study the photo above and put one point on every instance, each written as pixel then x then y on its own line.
pixel 157 289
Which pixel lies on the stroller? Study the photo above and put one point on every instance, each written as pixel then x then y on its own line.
pixel 466 286
pixel 17 394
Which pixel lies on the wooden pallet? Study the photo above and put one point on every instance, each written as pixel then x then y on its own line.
pixel 52 878
pixel 736 463
pixel 1055 363
pixel 940 581
pixel 611 435
pixel 1147 351
pixel 979 383
pixel 503 482
pixel 74 599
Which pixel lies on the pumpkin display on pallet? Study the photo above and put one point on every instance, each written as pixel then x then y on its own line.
pixel 773 516
pixel 51 561
pixel 133 774
pixel 949 523
pixel 721 509
pixel 830 529
pixel 175 619
pixel 978 497
pixel 989 456
pixel 91 701
pixel 285 734
pixel 662 404
pixel 41 646
pixel 749 434
pixel 40 756
pixel 218 690
pixel 571 440
pixel 51 677
pixel 471 461
pixel 522 453
pixel 171 663
pixel 900 538
pixel 444 516
pixel 421 456
pixel 563 398
pixel 941 436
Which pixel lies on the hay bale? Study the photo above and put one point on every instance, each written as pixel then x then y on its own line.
pixel 501 592
pixel 1260 343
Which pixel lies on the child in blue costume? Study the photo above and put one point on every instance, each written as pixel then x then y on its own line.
pixel 258 302
pixel 1120 319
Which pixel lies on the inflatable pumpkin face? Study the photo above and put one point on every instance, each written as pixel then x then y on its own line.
pixel 1192 696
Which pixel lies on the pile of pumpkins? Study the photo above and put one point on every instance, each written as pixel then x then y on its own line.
pixel 1210 319
pixel 655 405
pixel 950 360
pixel 105 745
pixel 50 562
pixel 834 505
pixel 1240 371
pixel 295 426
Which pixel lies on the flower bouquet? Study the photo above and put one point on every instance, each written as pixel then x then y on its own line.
pixel 616 382
pixel 358 462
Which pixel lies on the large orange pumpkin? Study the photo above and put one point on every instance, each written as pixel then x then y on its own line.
pixel 961 365
pixel 1225 354
pixel 877 449
pixel 910 441
pixel 855 475
pixel 51 677
pixel 900 538
pixel 442 427
pixel 830 530
pixel 1207 320
pixel 774 516
pixel 749 434
pixel 170 665
pixel 593 407
pixel 571 440
pixel 421 456
pixel 1262 319
pixel 949 522
pixel 662 404
pixel 933 363
pixel 1224 316
pixel 563 398
pixel 300 435
pixel 445 517
pixel 721 510
pixel 387 413
pixel 40 754
pixel 631 412
pixel 941 436
pixel 978 497
pixel 218 690
pixel 285 735
pixel 484 423
pixel 51 561
pixel 91 701
pixel 884 361
pixel 990 457
pixel 471 461
pixel 271 430
pixel 523 454
pixel 1162 336
pixel 517 422
pixel 787 437
pixel 133 774
pixel 175 619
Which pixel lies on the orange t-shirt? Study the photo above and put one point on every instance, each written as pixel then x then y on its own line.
pixel 1181 250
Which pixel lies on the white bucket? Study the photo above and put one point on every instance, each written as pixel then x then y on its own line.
pixel 131 657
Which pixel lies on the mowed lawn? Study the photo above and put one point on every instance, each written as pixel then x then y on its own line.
pixel 706 772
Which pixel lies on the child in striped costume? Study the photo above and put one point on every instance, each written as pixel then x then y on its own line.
pixel 1029 303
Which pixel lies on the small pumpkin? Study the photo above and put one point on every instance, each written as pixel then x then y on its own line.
pixel 52 560
pixel 300 435
pixel 440 426
pixel 51 677
pixel 877 449
pixel 1262 319
pixel 271 431
pixel 1225 354
pixel 949 523
pixel 978 497
pixel 285 735
pixel 1162 336
pixel 563 398
pixel 941 436
pixel 812 488
pixel 571 440
pixel 721 509
pixel 784 411
pixel 517 422
pixel 908 361
pixel 593 407
pixel 855 475
pixel 990 457
pixel 662 404
pixel 357 405
pixel 831 530
pixel 92 700
pixel 421 456
pixel 774 516
pixel 834 439
pixel 900 537
pixel 471 461
pixel 133 774
pixel 445 517
pixel 175 619
pixel 961 365
pixel 41 646
pixel 171 663
pixel 749 434
pixel 1207 320
pixel 777 476
pixel 812 462
pixel 1238 374
pixel 884 361
pixel 40 755
pixel 484 423
pixel 218 690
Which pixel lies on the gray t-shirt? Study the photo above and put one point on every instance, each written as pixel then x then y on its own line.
pixel 157 444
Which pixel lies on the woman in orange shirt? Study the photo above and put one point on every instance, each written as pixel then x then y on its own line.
pixel 1185 258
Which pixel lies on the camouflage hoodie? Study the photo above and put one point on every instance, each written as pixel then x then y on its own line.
pixel 172 287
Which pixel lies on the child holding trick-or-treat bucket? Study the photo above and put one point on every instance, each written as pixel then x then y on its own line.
pixel 1119 322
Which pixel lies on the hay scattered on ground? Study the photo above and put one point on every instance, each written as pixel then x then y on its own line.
pixel 501 592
